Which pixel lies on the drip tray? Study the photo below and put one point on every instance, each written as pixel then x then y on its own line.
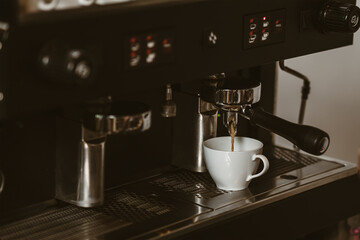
pixel 175 201
pixel 286 167
pixel 129 211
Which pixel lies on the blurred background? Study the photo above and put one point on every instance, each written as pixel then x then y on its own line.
pixel 334 101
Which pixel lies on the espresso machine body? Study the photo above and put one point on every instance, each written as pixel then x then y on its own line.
pixel 59 61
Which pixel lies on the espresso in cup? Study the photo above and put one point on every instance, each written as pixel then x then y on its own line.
pixel 233 170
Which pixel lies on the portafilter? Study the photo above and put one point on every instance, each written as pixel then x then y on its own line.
pixel 239 97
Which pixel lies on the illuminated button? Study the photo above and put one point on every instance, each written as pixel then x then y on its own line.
pixel 135 46
pixel 151 57
pixel 253 26
pixel 266 24
pixel 167 46
pixel 135 61
pixel 166 43
pixel 133 40
pixel 151 44
pixel 133 54
pixel 252 38
pixel 278 25
pixel 265 36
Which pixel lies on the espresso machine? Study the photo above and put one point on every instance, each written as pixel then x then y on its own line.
pixel 105 104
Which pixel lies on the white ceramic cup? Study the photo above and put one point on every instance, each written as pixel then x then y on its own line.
pixel 234 170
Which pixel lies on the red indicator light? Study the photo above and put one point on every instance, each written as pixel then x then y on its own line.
pixel 264 30
pixel 148 37
pixel 132 54
pixel 264 18
pixel 251 20
pixel 251 33
pixel 132 40
pixel 148 52
pixel 277 22
pixel 165 41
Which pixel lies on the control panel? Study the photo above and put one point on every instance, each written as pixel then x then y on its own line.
pixel 149 49
pixel 264 28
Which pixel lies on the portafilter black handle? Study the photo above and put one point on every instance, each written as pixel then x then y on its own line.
pixel 307 138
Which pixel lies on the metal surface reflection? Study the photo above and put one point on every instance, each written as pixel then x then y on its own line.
pixel 2 181
pixel 81 148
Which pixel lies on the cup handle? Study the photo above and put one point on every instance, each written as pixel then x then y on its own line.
pixel 265 168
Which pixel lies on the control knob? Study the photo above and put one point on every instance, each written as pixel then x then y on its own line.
pixel 62 64
pixel 338 16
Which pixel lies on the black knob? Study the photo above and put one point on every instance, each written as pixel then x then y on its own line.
pixel 339 17
pixel 62 64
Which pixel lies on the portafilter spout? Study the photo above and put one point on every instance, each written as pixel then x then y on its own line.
pixel 236 97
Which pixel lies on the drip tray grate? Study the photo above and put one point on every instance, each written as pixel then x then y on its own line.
pixel 187 182
pixel 59 223
pixel 127 211
pixel 169 199
pixel 134 207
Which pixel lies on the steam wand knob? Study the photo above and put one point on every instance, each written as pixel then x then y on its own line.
pixel 336 16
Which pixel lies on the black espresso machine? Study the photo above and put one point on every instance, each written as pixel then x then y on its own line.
pixel 104 105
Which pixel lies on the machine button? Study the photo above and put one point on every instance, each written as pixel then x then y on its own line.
pixel 265 34
pixel 135 47
pixel 150 58
pixel 266 24
pixel 210 38
pixel 278 23
pixel 252 26
pixel 167 48
pixel 167 44
pixel 135 61
pixel 83 70
pixel 150 44
pixel 151 41
pixel 252 38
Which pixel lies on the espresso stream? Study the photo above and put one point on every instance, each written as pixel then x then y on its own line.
pixel 232 134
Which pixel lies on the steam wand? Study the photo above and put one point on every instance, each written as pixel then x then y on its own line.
pixel 304 92
pixel 305 88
